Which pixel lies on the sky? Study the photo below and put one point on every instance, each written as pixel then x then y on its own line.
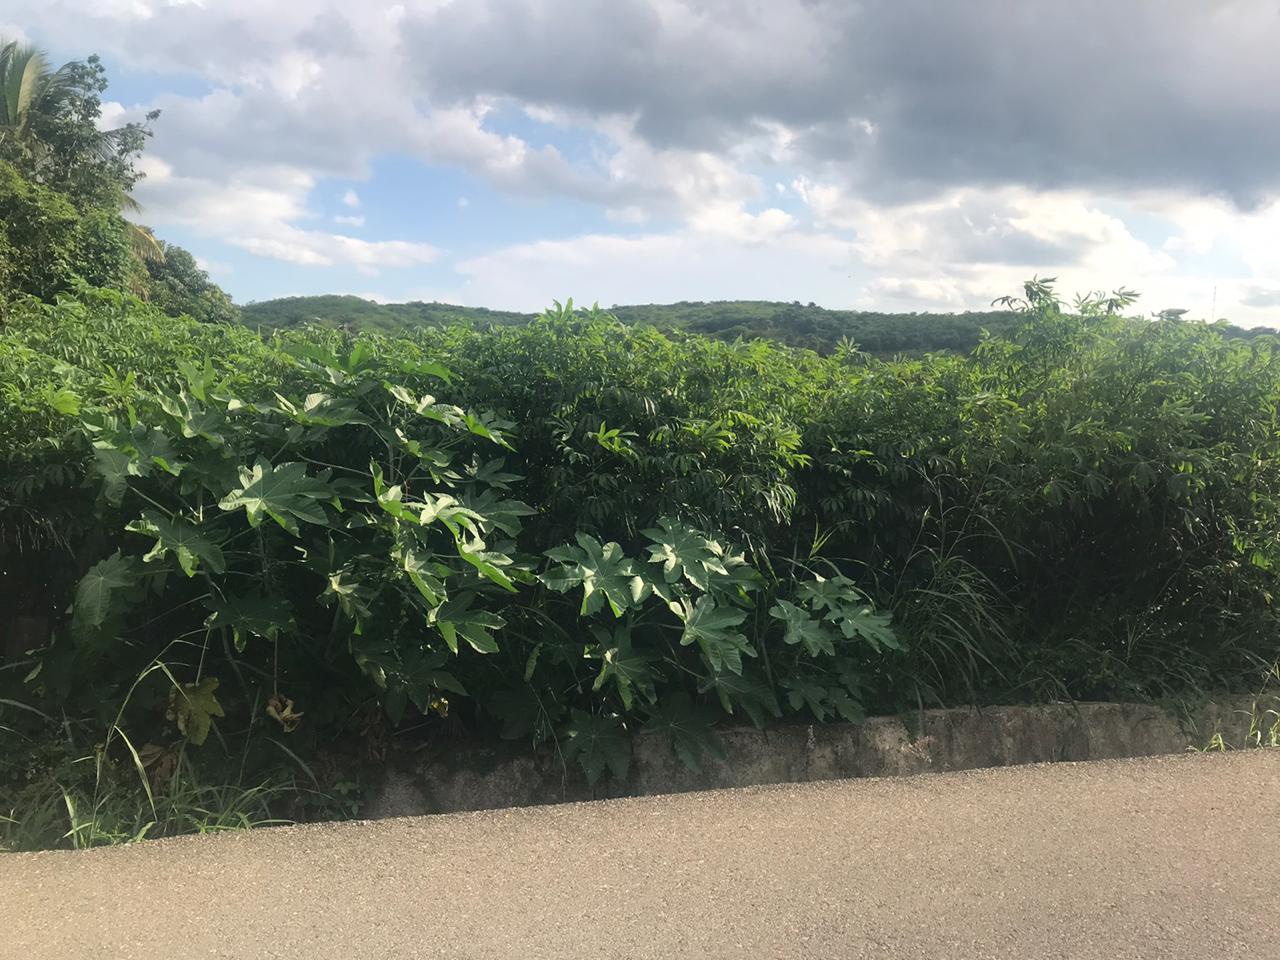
pixel 875 154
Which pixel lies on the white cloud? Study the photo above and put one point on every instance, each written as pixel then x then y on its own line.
pixel 817 150
pixel 260 216
pixel 662 267
pixel 312 248
pixel 216 268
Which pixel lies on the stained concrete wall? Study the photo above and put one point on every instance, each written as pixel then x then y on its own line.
pixel 462 776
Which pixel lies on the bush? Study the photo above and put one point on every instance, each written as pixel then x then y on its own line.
pixel 574 529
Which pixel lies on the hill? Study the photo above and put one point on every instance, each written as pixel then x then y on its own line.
pixel 795 324
pixel 792 323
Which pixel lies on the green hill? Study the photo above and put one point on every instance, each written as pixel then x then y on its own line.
pixel 353 312
pixel 792 323
pixel 796 324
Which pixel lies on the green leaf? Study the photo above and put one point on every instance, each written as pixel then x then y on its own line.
pixel 476 634
pixel 490 426
pixel 426 406
pixel 390 499
pixel 603 572
pixel 846 705
pixel 248 615
pixel 194 420
pixel 802 628
pixel 711 627
pixel 690 728
pixel 61 399
pixel 492 474
pixel 321 410
pixel 752 695
pixel 872 627
pixel 802 692
pixel 523 713
pixel 425 573
pixel 631 671
pixel 489 563
pixel 284 493
pixel 493 511
pixel 349 590
pixel 154 447
pixel 193 706
pixel 429 369
pixel 840 601
pixel 685 552
pixel 597 744
pixel 449 510
pixel 184 540
pixel 105 586
pixel 459 618
pixel 830 593
pixel 116 467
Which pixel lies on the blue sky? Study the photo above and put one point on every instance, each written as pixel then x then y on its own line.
pixel 893 154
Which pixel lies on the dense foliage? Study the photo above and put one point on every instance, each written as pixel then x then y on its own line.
pixel 64 184
pixel 809 326
pixel 573 530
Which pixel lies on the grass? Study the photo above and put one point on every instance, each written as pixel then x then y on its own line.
pixel 100 813
pixel 1264 718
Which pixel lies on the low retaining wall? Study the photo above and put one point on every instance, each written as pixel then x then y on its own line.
pixel 465 776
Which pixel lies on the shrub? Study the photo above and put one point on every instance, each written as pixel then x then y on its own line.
pixel 571 530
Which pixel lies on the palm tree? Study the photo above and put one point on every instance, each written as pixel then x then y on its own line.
pixel 29 89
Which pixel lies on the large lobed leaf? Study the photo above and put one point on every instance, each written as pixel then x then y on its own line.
pixel 285 493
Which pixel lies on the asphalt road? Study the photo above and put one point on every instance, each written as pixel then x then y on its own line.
pixel 1174 857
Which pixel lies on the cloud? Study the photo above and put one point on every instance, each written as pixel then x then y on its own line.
pixel 217 268
pixel 258 215
pixel 922 154
pixel 898 98
pixel 901 97
pixel 982 226
pixel 661 267
pixel 312 248
pixel 1257 296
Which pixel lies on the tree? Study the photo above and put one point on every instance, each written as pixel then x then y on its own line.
pixel 49 131
pixel 46 245
pixel 49 128
pixel 178 286
pixel 28 89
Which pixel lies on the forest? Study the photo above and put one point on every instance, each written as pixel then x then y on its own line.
pixel 248 555
pixel 809 326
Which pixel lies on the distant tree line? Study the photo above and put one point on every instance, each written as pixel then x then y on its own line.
pixel 794 324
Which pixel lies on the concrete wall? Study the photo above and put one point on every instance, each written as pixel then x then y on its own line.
pixel 462 776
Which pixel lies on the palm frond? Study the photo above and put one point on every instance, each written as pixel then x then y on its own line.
pixel 142 241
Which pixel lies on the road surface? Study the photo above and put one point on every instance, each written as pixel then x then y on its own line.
pixel 1173 857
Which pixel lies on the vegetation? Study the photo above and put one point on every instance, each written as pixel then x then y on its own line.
pixel 813 327
pixel 63 185
pixel 237 564
pixel 273 550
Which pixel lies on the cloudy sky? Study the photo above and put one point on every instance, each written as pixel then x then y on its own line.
pixel 888 154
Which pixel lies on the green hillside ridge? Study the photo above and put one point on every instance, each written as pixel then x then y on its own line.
pixel 795 324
